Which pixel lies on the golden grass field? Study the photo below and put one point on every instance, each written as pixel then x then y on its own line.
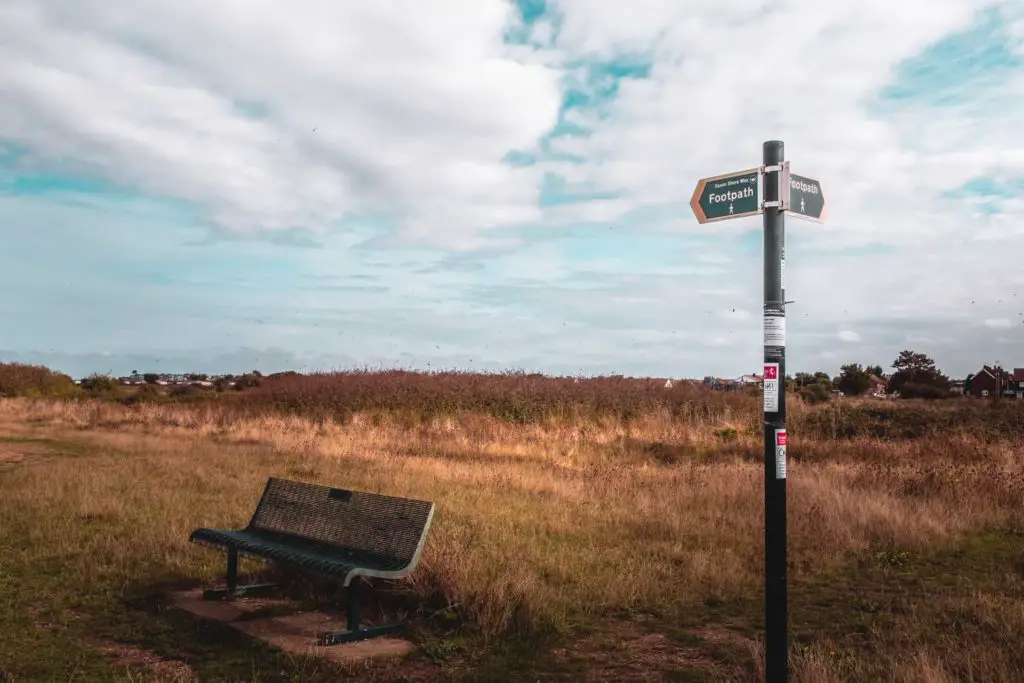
pixel 562 549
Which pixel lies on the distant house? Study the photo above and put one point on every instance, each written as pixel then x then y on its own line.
pixel 957 387
pixel 991 381
pixel 747 381
pixel 1017 382
pixel 876 386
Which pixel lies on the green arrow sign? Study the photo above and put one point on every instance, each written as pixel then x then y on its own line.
pixel 732 195
pixel 806 198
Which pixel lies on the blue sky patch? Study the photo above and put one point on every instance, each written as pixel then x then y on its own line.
pixel 988 194
pixel 531 10
pixel 948 72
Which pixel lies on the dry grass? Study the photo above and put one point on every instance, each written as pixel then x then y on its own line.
pixel 543 527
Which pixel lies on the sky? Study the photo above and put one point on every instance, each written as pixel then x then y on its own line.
pixel 489 185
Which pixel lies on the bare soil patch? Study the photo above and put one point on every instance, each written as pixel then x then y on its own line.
pixel 295 632
pixel 626 653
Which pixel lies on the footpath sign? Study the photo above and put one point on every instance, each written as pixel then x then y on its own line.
pixel 805 198
pixel 732 195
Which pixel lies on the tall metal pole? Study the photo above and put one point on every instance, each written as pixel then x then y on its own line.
pixel 776 611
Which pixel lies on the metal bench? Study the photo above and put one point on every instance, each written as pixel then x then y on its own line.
pixel 333 532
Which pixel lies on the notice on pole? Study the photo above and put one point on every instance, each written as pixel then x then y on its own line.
pixel 774 330
pixel 771 387
pixel 780 453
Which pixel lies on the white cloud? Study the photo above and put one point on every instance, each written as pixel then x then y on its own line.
pixel 848 336
pixel 404 108
pixel 998 323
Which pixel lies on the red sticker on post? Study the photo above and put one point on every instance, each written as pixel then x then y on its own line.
pixel 770 387
pixel 780 453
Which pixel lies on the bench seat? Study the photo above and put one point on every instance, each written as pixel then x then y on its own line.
pixel 336 533
pixel 319 558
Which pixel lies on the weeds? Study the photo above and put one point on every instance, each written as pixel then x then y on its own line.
pixel 601 509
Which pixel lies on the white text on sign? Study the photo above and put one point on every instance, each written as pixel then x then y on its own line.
pixel 802 186
pixel 730 196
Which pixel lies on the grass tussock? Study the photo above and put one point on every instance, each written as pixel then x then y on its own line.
pixel 549 525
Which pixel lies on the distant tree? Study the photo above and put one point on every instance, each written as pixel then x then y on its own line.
pixel 803 379
pixel 806 379
pixel 916 369
pixel 853 380
pixel 875 370
pixel 967 383
pixel 151 377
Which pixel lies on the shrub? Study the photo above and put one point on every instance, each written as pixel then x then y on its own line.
pixel 19 379
pixel 815 393
pixel 187 393
pixel 101 385
pixel 926 391
pixel 248 381
pixel 147 393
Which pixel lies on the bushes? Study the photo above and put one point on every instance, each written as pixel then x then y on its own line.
pixel 101 385
pixel 912 420
pixel 147 393
pixel 926 391
pixel 511 396
pixel 18 379
pixel 816 393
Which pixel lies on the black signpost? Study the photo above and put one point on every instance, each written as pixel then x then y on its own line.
pixel 776 609
pixel 733 195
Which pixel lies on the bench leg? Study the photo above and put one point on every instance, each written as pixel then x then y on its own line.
pixel 233 590
pixel 353 632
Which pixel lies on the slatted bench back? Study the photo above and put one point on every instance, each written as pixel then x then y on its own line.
pixel 368 524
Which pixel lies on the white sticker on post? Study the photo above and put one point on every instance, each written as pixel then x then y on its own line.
pixel 780 453
pixel 771 387
pixel 774 330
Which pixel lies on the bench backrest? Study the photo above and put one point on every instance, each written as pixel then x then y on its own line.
pixel 364 523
